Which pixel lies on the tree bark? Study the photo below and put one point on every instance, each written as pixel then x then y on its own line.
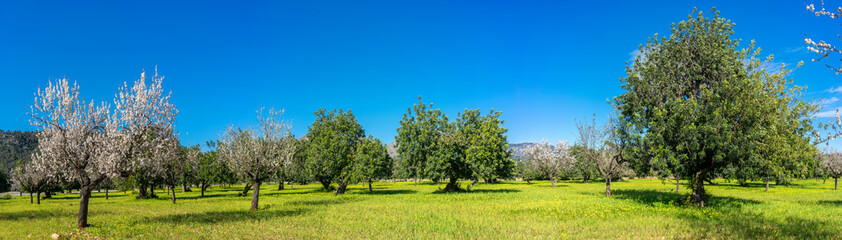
pixel 280 185
pixel 82 218
pixel 369 186
pixel 325 184
pixel 677 184
pixel 451 185
pixel 48 194
pixel 341 188
pixel 106 194
pixel 172 192
pixel 185 188
pixel 246 190
pixel 586 178
pixel 836 184
pixel 30 198
pixel 38 197
pixel 255 195
pixel 552 180
pixel 699 195
pixel 767 185
pixel 203 187
pixel 608 187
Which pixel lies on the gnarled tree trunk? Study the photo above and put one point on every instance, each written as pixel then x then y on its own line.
pixel 341 188
pixel 280 185
pixel 172 192
pixel 451 185
pixel 699 196
pixel 607 186
pixel 246 190
pixel 82 218
pixel 255 195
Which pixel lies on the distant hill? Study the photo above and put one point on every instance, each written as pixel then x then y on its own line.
pixel 14 146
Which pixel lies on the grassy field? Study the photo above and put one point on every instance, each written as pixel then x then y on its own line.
pixel 642 208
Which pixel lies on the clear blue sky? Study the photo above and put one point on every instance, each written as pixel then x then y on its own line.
pixel 543 64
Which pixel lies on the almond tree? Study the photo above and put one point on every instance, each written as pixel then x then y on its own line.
pixel 32 178
pixel 72 139
pixel 143 120
pixel 822 48
pixel 550 160
pixel 258 152
pixel 831 162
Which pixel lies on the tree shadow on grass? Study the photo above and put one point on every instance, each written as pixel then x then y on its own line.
pixel 320 202
pixel 465 191
pixel 726 218
pixel 224 216
pixel 738 224
pixel 653 197
pixel 837 203
pixel 386 192
pixel 292 191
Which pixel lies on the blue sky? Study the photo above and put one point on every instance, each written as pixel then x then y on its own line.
pixel 542 63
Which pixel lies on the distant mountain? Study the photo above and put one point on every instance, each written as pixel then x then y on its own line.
pixel 14 146
pixel 519 149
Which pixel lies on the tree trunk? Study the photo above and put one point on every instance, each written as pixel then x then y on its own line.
pixel 38 197
pixel 586 178
pixel 30 198
pixel 699 195
pixel 677 184
pixel 552 181
pixel 341 188
pixel 82 218
pixel 280 185
pixel 48 194
pixel 325 185
pixel 836 184
pixel 106 194
pixel 172 192
pixel 246 190
pixel 608 187
pixel 369 186
pixel 451 185
pixel 141 192
pixel 255 195
pixel 204 185
pixel 527 181
pixel 152 191
pixel 185 188
pixel 767 185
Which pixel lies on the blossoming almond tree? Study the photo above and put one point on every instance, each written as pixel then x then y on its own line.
pixel 259 152
pixel 832 163
pixel 71 138
pixel 550 160
pixel 143 120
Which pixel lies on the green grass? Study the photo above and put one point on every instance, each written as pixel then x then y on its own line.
pixel 642 208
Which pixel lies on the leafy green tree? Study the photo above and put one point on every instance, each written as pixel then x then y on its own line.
pixel 372 162
pixel 584 167
pixel 333 139
pixel 694 100
pixel 418 133
pixel 486 145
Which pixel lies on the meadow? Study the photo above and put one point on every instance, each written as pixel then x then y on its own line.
pixel 639 208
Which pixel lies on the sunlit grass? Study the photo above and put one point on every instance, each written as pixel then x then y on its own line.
pixel 642 208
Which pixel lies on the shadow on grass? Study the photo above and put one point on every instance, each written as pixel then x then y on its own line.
pixel 651 197
pixel 731 221
pixel 320 202
pixel 837 203
pixel 29 214
pixel 386 192
pixel 224 216
pixel 737 224
pixel 465 191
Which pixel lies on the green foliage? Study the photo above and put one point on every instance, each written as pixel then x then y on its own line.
pixel 696 105
pixel 584 167
pixel 417 135
pixel 16 146
pixel 371 161
pixel 332 144
pixel 487 148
